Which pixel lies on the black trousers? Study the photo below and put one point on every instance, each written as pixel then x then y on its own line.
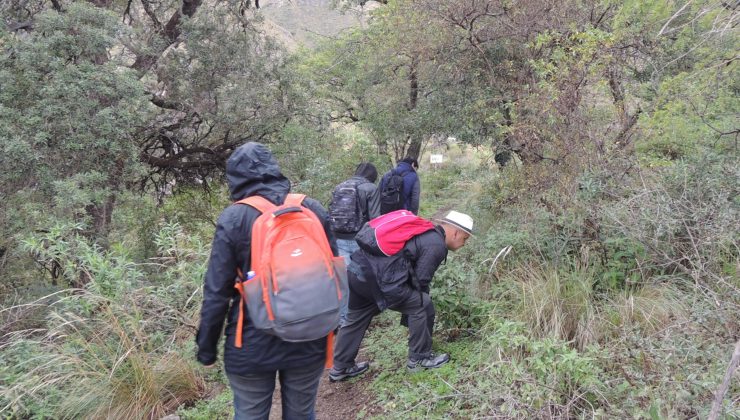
pixel 418 308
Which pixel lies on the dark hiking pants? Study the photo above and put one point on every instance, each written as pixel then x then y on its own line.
pixel 298 389
pixel 362 309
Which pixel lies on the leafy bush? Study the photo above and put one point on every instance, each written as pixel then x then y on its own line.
pixel 317 161
pixel 458 305
pixel 502 373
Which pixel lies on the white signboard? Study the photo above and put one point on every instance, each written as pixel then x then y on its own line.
pixel 435 159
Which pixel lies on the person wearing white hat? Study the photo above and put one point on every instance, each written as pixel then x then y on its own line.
pixel 405 278
pixel 460 229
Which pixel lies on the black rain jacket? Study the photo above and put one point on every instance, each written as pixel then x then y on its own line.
pixel 389 279
pixel 251 170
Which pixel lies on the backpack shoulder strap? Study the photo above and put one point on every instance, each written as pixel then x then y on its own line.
pixel 260 203
pixel 294 199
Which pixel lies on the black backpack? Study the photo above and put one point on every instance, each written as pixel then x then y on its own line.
pixel 391 195
pixel 344 208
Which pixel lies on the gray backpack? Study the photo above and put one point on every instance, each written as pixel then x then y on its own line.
pixel 344 209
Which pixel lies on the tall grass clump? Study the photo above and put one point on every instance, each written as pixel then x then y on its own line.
pixel 650 307
pixel 564 303
pixel 554 302
pixel 118 345
pixel 96 358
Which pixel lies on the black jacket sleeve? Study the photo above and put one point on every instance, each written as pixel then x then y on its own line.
pixel 431 251
pixel 218 288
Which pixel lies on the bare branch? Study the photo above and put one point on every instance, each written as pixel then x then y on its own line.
pixel 720 395
pixel 672 18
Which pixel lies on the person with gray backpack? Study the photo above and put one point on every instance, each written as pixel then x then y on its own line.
pixel 353 202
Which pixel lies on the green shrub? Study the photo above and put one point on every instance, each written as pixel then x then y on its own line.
pixel 112 346
pixel 684 220
pixel 456 299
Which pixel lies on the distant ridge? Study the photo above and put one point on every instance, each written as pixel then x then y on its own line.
pixel 307 22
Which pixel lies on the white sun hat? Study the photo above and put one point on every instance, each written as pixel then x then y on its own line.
pixel 459 220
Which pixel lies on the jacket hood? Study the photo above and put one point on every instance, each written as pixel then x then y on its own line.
pixel 252 170
pixel 368 171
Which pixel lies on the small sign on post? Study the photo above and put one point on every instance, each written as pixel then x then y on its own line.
pixel 435 160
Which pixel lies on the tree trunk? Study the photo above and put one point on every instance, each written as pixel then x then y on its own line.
pixel 414 148
pixel 413 85
pixel 413 143
pixel 101 215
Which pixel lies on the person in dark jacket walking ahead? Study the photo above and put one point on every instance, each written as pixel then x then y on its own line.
pixel 411 188
pixel 354 202
pixel 252 368
pixel 419 259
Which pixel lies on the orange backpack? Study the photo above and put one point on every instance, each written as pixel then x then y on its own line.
pixel 297 285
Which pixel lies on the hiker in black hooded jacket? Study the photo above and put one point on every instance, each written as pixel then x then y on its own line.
pixel 251 369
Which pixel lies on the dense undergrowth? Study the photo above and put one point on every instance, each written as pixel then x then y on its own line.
pixel 618 301
pixel 603 277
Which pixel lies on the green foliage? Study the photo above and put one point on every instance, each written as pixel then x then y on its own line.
pixel 505 373
pixel 196 209
pixel 182 257
pixel 692 111
pixel 306 160
pixel 68 115
pixel 458 304
pixel 134 222
pixel 219 407
pixel 669 371
pixel 112 347
pixel 684 219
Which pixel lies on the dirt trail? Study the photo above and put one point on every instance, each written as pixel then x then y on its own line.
pixel 339 400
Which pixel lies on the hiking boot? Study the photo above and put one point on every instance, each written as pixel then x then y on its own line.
pixel 431 362
pixel 342 374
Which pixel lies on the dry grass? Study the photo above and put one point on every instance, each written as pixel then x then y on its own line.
pixel 94 360
pixel 558 304
pixel 562 304
pixel 651 308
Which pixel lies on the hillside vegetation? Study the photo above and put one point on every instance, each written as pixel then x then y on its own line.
pixel 594 143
